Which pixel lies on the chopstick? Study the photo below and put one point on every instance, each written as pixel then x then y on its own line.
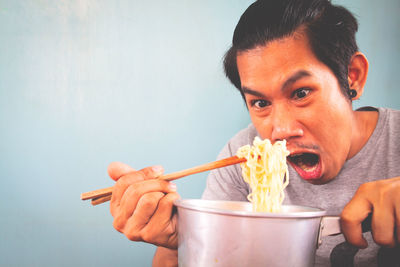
pixel 99 200
pixel 102 195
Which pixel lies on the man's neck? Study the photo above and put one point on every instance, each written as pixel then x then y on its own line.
pixel 365 123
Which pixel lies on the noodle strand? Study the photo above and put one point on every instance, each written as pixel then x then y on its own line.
pixel 266 172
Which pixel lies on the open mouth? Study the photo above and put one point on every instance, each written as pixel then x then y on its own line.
pixel 307 165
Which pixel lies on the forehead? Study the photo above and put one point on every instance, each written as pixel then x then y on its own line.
pixel 277 60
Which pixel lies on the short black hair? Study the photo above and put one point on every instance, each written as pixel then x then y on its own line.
pixel 330 30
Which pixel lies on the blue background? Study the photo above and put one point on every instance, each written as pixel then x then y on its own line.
pixel 84 83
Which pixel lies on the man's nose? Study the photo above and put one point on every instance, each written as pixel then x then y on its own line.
pixel 285 125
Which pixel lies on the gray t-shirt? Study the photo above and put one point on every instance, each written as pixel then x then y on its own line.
pixel 378 159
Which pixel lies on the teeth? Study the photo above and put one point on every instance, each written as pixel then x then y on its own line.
pixel 306 167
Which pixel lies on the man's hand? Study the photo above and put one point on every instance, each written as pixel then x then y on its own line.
pixel 382 199
pixel 142 206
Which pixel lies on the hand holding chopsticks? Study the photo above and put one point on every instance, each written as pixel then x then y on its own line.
pixel 102 195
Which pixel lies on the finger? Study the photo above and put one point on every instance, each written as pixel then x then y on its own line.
pixel 125 181
pixel 165 208
pixel 164 218
pixel 383 223
pixel 146 207
pixel 131 226
pixel 136 228
pixel 351 218
pixel 136 191
pixel 397 213
pixel 396 203
pixel 117 169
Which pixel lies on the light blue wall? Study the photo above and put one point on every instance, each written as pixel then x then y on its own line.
pixel 379 39
pixel 85 82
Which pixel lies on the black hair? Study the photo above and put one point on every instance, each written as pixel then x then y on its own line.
pixel 330 30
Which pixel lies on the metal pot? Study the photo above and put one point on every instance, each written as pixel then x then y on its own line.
pixel 229 233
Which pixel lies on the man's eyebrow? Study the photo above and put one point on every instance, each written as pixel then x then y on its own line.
pixel 249 91
pixel 296 76
pixel 292 79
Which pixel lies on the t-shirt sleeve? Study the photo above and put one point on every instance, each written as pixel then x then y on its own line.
pixel 226 183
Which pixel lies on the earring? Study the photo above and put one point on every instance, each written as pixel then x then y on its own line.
pixel 353 93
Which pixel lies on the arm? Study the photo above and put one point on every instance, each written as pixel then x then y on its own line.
pixel 142 206
pixel 165 257
pixel 382 199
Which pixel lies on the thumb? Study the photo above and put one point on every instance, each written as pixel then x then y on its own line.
pixel 118 169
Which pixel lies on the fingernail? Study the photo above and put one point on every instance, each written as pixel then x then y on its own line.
pixel 172 186
pixel 158 170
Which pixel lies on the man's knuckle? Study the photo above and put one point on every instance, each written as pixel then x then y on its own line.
pixel 132 232
pixel 119 225
pixel 121 184
pixel 148 201
pixel 347 217
pixel 365 188
pixel 148 236
pixel 133 236
pixel 146 172
pixel 389 190
pixel 136 191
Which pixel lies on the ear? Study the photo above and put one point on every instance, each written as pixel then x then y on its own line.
pixel 358 72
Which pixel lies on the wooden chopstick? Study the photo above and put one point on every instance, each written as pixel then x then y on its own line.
pixel 102 195
pixel 97 193
pixel 99 200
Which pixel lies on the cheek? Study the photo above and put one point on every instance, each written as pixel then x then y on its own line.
pixel 334 130
pixel 333 111
pixel 262 125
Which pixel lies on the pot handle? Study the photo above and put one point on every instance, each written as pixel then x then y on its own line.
pixel 330 225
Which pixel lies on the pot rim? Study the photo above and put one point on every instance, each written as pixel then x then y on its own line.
pixel 244 209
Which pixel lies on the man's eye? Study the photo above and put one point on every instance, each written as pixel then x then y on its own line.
pixel 259 103
pixel 301 93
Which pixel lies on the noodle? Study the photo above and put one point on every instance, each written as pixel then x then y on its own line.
pixel 265 171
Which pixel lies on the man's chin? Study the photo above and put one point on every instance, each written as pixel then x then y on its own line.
pixel 319 181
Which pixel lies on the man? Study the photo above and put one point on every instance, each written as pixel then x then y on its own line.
pixel 297 67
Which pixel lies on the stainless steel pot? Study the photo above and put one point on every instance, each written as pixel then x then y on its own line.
pixel 228 233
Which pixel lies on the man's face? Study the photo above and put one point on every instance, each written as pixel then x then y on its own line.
pixel 291 95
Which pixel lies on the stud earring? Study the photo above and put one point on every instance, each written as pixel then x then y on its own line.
pixel 353 93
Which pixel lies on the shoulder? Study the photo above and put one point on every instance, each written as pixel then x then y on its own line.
pixel 392 115
pixel 243 137
pixel 389 121
pixel 389 112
